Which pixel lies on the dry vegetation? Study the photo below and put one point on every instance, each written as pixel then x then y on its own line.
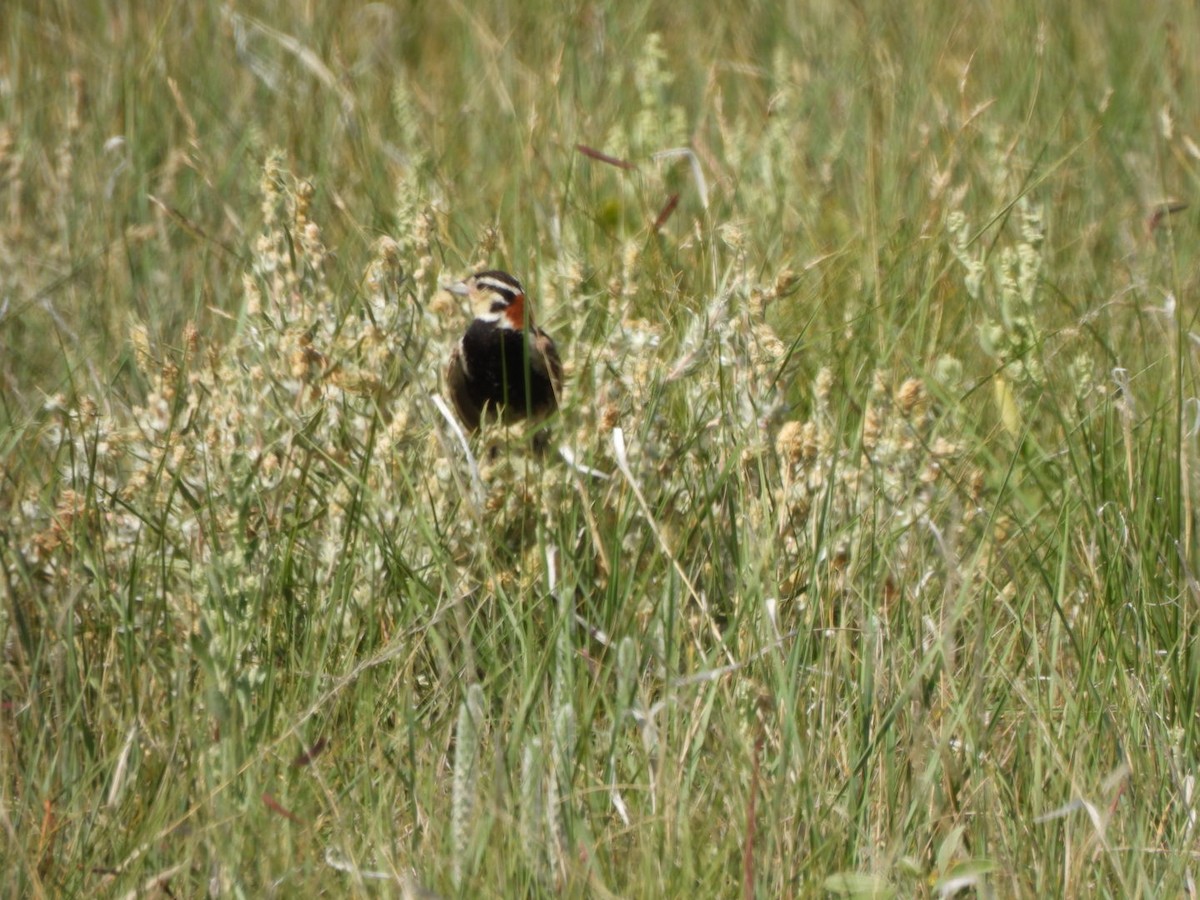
pixel 861 561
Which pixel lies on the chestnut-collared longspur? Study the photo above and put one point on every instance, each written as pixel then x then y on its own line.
pixel 504 367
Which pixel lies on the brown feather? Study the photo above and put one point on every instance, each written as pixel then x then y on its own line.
pixel 456 386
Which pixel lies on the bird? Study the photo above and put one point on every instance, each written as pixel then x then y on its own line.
pixel 504 368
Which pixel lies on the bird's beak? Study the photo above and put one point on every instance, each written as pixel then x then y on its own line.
pixel 459 289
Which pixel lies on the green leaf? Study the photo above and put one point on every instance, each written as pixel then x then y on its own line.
pixel 856 884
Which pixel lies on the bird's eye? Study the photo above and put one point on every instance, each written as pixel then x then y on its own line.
pixel 499 304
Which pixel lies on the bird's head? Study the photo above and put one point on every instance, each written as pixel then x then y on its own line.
pixel 495 297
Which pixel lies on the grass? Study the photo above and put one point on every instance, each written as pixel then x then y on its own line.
pixel 869 565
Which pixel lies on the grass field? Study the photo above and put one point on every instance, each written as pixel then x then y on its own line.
pixel 862 563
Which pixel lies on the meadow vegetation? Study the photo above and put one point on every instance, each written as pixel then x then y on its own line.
pixel 860 563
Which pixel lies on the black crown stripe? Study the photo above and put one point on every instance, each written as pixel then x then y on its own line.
pixel 499 281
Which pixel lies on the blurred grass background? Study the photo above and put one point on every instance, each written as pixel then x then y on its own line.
pixel 888 588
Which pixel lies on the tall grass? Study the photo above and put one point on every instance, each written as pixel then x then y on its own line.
pixel 863 557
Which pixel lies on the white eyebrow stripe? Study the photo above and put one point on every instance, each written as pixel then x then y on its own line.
pixel 497 285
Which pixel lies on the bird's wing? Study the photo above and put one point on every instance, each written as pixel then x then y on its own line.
pixel 456 387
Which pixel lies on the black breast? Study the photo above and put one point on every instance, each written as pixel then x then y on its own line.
pixel 497 366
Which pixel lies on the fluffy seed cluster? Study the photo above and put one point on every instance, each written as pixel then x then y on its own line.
pixel 290 429
pixel 1008 285
pixel 902 487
